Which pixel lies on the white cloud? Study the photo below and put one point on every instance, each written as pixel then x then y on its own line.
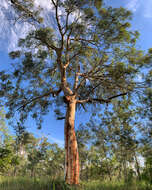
pixel 145 7
pixel 141 161
pixel 58 141
pixel 9 31
pixel 43 3
pixel 148 9
pixel 133 5
pixel 50 138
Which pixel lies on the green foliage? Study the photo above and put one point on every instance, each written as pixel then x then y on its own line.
pixel 4 132
pixel 47 184
pixel 38 74
pixel 98 4
pixel 27 10
pixel 15 54
pixel 147 173
pixel 7 159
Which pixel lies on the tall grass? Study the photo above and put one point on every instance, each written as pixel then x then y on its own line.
pixel 98 185
pixel 26 183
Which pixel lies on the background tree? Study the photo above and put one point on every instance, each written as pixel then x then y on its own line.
pixel 55 161
pixel 8 159
pixel 83 138
pixel 4 132
pixel 146 128
pixel 88 57
pixel 114 131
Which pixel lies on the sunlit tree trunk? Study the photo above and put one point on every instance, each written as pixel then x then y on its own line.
pixel 137 167
pixel 71 147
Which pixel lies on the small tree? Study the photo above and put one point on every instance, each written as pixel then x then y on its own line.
pixel 146 130
pixel 4 133
pixel 8 158
pixel 87 57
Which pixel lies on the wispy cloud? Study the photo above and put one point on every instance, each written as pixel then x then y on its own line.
pixel 148 9
pixel 10 32
pixel 132 5
pixel 58 141
pixel 44 4
pixel 145 7
pixel 50 138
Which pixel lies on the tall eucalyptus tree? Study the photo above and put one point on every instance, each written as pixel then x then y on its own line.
pixel 88 56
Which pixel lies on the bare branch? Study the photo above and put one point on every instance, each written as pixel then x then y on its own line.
pixel 47 44
pixel 101 100
pixel 57 18
pixel 67 49
pixel 54 93
pixel 81 39
pixel 85 76
pixel 60 118
pixel 21 7
pixel 92 90
pixel 78 86
pixel 76 54
pixel 83 101
pixel 76 79
pixel 66 24
pixel 122 94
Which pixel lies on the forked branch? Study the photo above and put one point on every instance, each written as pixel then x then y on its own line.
pixel 22 8
pixel 101 100
pixel 54 93
pixel 57 18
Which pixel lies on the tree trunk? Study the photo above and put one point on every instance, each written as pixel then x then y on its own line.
pixel 137 167
pixel 71 147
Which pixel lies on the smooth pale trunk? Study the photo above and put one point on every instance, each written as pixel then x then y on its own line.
pixel 137 167
pixel 71 148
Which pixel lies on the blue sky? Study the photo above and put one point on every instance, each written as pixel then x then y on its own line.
pixel 9 33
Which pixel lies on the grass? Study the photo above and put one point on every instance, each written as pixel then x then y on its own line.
pixel 24 183
pixel 98 185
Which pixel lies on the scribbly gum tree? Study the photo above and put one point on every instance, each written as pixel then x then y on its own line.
pixel 83 53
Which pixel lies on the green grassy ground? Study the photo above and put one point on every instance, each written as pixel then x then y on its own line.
pixel 20 183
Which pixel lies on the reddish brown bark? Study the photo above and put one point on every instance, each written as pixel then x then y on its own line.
pixel 71 148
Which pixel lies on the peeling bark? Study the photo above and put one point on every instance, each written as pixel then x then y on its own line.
pixel 71 147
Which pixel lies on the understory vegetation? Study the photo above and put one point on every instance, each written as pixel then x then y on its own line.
pixel 26 183
pixel 118 163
